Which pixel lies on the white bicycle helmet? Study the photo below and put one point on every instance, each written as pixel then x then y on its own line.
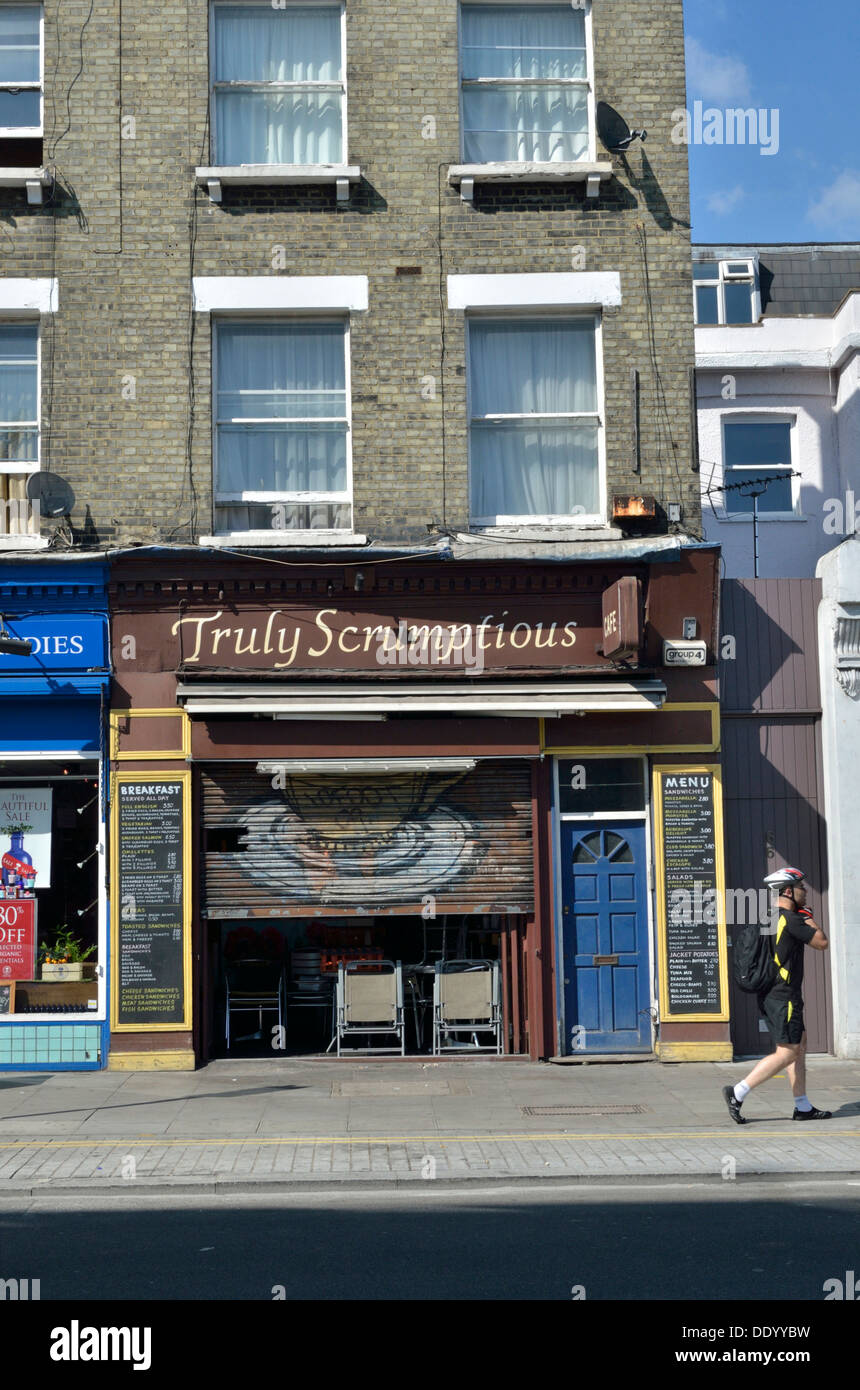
pixel 785 878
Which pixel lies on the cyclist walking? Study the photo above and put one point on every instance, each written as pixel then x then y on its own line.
pixel 781 1005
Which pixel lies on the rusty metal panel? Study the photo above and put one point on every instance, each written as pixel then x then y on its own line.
pixel 367 845
pixel 774 623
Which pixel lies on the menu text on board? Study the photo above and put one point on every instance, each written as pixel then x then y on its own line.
pixel 690 889
pixel 151 984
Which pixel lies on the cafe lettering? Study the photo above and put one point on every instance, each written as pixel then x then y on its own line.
pixel 291 643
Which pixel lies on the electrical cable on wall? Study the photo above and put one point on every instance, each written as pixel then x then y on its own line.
pixel 96 250
pixel 442 327
pixel 192 524
pixel 73 82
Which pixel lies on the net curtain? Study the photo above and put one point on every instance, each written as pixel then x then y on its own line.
pixel 540 467
pixel 256 43
pixel 545 123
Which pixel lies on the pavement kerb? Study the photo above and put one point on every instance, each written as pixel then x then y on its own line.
pixel 245 1186
pixel 441 1138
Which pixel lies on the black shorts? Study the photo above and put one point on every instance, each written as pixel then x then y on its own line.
pixel 784 1017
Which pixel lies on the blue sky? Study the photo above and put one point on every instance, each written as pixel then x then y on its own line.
pixel 799 57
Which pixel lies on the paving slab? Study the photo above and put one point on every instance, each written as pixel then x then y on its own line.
pixel 279 1123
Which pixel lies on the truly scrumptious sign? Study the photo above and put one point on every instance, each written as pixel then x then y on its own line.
pixel 331 638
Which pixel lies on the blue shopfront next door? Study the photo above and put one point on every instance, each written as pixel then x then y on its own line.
pixel 605 937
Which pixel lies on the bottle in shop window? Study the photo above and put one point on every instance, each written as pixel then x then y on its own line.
pixel 13 876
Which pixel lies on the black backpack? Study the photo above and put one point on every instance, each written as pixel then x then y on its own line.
pixel 753 963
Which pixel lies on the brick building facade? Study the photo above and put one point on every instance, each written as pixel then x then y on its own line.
pixel 443 174
pixel 123 227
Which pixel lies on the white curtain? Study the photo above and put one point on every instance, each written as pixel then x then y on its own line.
pixel 523 471
pixel 535 41
pixel 535 467
pixel 544 124
pixel 256 43
pixel 524 122
pixel 279 375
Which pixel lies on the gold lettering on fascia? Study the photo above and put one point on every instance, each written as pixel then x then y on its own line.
pixel 285 640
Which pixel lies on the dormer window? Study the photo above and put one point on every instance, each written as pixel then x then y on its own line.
pixel 725 292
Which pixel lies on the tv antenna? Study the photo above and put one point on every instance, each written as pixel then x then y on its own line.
pixel 755 488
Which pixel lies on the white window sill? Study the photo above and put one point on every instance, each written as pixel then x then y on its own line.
pixel 308 539
pixel 24 542
pixel 215 176
pixel 34 180
pixel 590 172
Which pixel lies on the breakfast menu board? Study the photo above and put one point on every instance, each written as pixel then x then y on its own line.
pixel 152 952
pixel 690 891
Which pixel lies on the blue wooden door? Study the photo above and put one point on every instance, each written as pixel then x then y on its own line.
pixel 605 937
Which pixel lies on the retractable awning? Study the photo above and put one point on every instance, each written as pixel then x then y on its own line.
pixel 547 700
pixel 381 767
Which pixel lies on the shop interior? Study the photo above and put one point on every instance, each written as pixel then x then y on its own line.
pixel 63 977
pixel 300 956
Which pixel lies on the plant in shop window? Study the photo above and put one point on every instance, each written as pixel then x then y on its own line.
pixel 19 876
pixel 64 957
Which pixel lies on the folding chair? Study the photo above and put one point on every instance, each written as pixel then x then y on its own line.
pixel 467 999
pixel 255 986
pixel 369 1002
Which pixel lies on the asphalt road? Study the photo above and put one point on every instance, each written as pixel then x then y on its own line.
pixel 747 1240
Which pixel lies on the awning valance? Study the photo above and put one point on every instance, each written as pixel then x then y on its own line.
pixel 543 699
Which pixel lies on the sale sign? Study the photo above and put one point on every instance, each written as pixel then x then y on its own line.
pixel 18 939
pixel 17 866
pixel 25 836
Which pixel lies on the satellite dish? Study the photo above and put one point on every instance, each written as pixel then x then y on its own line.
pixel 614 130
pixel 53 494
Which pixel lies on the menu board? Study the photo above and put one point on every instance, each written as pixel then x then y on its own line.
pixel 689 884
pixel 150 959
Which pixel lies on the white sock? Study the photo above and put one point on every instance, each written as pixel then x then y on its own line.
pixel 742 1090
pixel 802 1103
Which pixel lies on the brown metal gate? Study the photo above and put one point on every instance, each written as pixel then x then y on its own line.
pixel 772 787
pixel 354 845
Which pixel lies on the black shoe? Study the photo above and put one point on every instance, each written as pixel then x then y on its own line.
pixel 734 1105
pixel 812 1114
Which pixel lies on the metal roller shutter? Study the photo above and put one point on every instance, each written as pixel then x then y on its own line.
pixel 367 845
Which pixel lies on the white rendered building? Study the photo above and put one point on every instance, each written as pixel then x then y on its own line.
pixel 778 385
pixel 778 381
